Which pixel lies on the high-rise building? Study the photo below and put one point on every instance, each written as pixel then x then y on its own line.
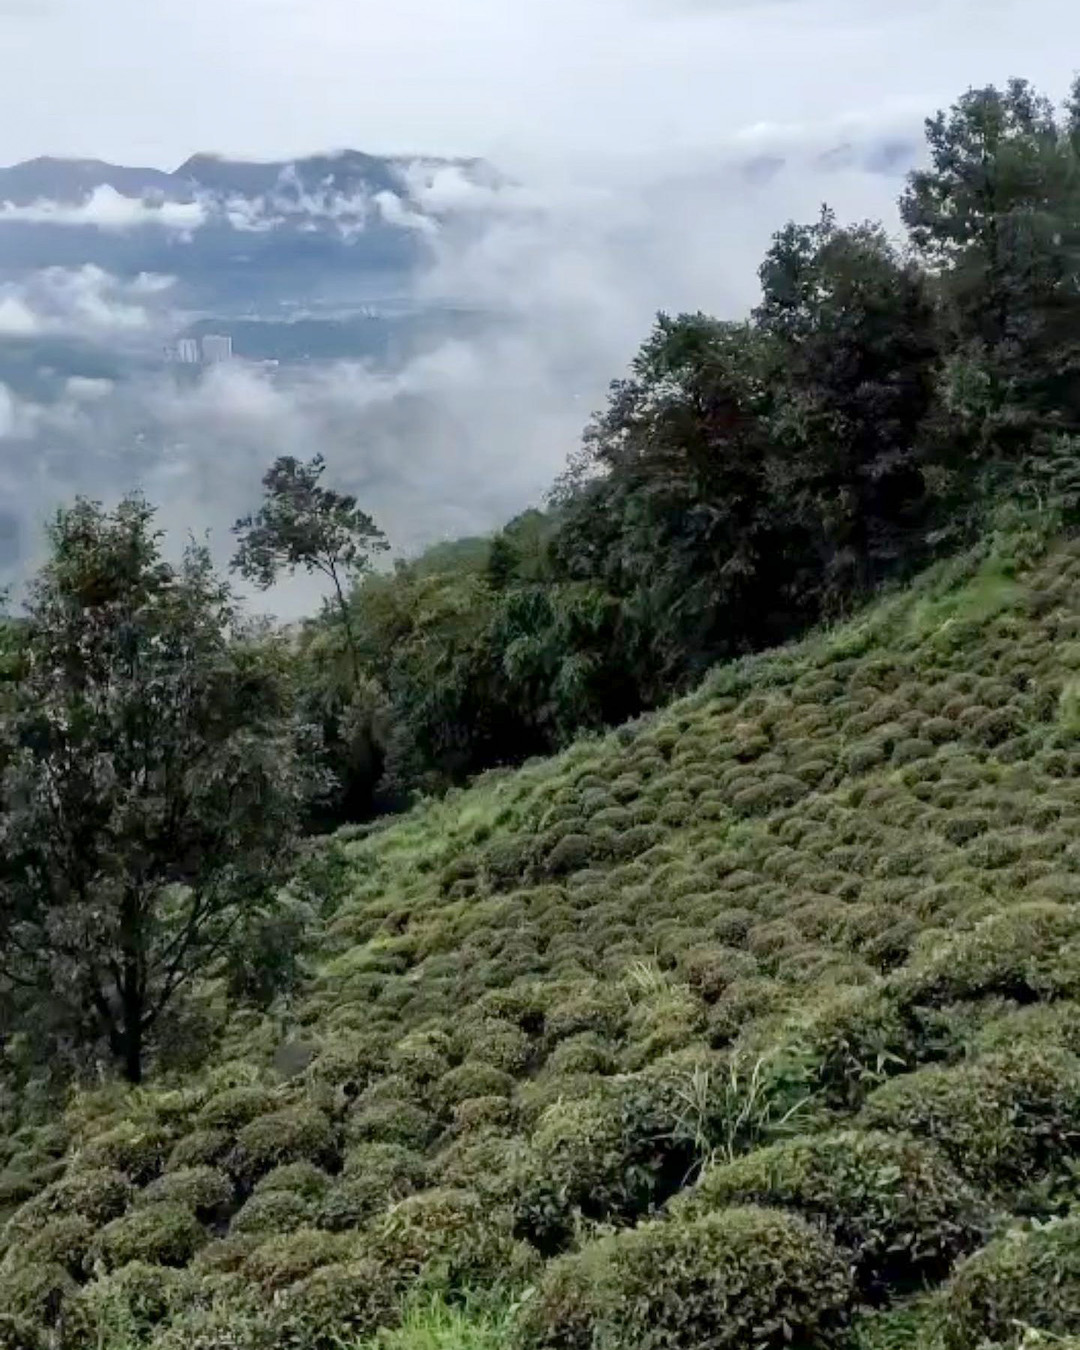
pixel 187 351
pixel 216 347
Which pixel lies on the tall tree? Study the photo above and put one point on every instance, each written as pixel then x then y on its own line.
pixel 853 352
pixel 302 524
pixel 669 508
pixel 151 779
pixel 996 215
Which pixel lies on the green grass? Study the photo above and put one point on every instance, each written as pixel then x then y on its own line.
pixel 433 1324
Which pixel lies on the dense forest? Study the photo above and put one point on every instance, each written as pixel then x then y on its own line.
pixel 737 1026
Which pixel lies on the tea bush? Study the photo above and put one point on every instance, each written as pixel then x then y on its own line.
pixel 736 1278
pixel 295 1134
pixel 165 1234
pixel 894 1202
pixel 203 1190
pixel 1023 1279
pixel 1003 1119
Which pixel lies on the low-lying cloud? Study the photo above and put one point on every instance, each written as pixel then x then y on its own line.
pixel 83 302
pixel 110 211
pixel 570 269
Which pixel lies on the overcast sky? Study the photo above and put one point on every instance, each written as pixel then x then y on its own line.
pixel 152 80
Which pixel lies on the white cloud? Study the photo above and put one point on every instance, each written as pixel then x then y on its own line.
pixel 108 210
pixel 17 319
pixel 81 301
pixel 82 388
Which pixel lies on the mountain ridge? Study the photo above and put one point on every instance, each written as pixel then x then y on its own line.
pixel 73 180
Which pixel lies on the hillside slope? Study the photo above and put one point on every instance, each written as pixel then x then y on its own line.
pixel 740 1026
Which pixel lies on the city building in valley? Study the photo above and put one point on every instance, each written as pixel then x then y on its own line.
pixel 216 347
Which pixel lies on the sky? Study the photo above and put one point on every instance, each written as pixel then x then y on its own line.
pixel 149 81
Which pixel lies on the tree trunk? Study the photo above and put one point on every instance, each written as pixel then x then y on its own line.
pixel 346 620
pixel 132 991
pixel 133 1050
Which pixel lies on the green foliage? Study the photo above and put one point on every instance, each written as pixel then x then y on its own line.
pixel 804 939
pixel 739 1277
pixel 96 1194
pixel 63 1241
pixel 165 1234
pixel 1002 1119
pixel 204 1190
pixel 302 524
pixel 287 1258
pixel 1024 1279
pixel 451 1238
pixel 300 1178
pixel 152 778
pixel 36 1294
pixel 235 1107
pixel 339 1304
pixel 295 1134
pixel 892 1201
pixel 432 1322
pixel 138 1151
pixel 273 1212
pixel 124 1307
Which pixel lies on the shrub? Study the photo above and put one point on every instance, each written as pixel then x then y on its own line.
pixel 25 1178
pixel 137 1151
pixel 296 1134
pixel 420 1057
pixel 856 1039
pixel 1030 1278
pixel 97 1195
pixel 300 1178
pixel 473 1079
pixel 496 1042
pixel 204 1190
pixel 584 1053
pixel 709 970
pixel 38 1294
pixel 201 1148
pixel 273 1212
pixel 226 1256
pixel 391 1121
pixel 477 1113
pixel 350 1062
pixel 335 1306
pixel 18 1334
pixel 376 1175
pixel 235 1107
pixel 163 1235
pixel 1026 952
pixel 570 854
pixel 130 1303
pixel 742 1277
pixel 1003 1119
pixel 577 1163
pixel 591 1006
pixel 288 1257
pixel 451 1237
pixel 63 1241
pixel 894 1202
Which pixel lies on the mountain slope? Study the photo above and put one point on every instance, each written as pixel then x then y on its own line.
pixel 810 935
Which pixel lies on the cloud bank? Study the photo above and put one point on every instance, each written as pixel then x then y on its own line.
pixel 83 302
pixel 467 430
